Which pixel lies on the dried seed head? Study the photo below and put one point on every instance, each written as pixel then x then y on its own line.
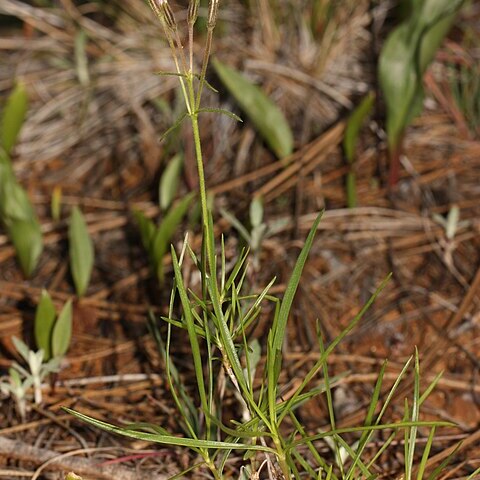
pixel 164 11
pixel 168 15
pixel 212 13
pixel 192 11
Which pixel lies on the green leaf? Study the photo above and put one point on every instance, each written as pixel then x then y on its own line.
pixel 281 323
pixel 192 334
pixel 26 237
pixel 221 111
pixel 18 216
pixel 81 251
pixel 62 331
pixel 169 181
pixel 263 113
pixel 147 229
pixel 167 439
pixel 44 323
pixel 21 348
pixel 13 117
pixel 405 57
pixel 354 124
pixel 15 204
pixel 165 232
pixel 256 212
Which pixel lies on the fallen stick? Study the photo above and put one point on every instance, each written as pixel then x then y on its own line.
pixel 88 469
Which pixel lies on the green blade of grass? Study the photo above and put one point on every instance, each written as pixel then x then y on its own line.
pixel 368 421
pixel 412 438
pixel 385 426
pixel 426 453
pixel 280 320
pixel 165 439
pixel 197 357
pixel 165 232
pixel 314 370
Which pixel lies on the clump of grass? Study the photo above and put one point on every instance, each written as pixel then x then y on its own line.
pixel 217 321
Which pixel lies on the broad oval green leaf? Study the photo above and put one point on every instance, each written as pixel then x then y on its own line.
pixel 13 116
pixel 81 251
pixel 62 331
pixel 263 113
pixel 44 323
pixel 169 181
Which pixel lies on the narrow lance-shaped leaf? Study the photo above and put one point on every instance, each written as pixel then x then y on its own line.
pixel 165 231
pixel 44 323
pixel 263 113
pixel 354 124
pixel 280 322
pixel 256 212
pixel 167 439
pixel 56 203
pixel 169 182
pixel 62 331
pixel 352 130
pixel 81 251
pixel 406 55
pixel 13 117
pixel 18 216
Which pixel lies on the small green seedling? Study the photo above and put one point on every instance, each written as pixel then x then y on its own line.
pixel 407 53
pixel 52 336
pixel 16 211
pixel 53 333
pixel 56 203
pixel 258 228
pixel 354 124
pixel 16 387
pixel 38 367
pixel 156 239
pixel 81 251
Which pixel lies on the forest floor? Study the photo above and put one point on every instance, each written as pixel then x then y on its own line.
pixel 96 137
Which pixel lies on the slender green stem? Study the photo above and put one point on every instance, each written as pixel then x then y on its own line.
pixel 206 58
